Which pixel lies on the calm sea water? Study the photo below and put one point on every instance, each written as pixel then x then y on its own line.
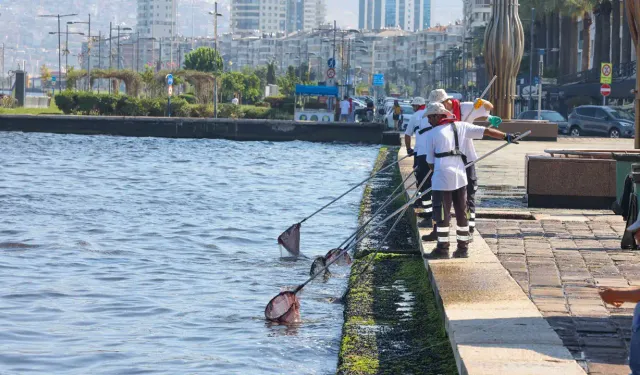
pixel 143 255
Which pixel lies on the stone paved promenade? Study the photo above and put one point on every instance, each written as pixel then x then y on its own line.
pixel 562 257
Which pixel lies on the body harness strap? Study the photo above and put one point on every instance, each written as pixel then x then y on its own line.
pixel 455 152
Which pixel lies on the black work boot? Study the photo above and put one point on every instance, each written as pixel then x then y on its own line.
pixel 440 252
pixel 461 252
pixel 425 223
pixel 433 236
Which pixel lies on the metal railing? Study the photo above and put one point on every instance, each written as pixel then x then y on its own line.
pixel 624 71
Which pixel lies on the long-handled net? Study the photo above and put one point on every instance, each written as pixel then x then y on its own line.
pixel 285 307
pixel 290 239
pixel 320 262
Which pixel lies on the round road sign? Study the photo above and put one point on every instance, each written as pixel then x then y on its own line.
pixel 331 73
pixel 606 70
pixel 170 90
pixel 605 90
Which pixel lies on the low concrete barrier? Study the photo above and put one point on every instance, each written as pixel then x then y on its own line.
pixel 37 102
pixel 540 130
pixel 554 182
pixel 240 130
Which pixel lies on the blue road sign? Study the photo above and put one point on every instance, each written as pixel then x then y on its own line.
pixel 536 80
pixel 541 52
pixel 331 63
pixel 169 79
pixel 378 79
pixel 53 78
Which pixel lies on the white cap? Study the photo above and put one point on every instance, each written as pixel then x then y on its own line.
pixel 439 96
pixel 418 100
pixel 437 109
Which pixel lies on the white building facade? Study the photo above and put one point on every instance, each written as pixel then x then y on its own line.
pixel 157 18
pixel 409 15
pixel 477 14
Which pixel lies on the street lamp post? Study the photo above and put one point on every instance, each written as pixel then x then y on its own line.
pixel 88 47
pixel 59 16
pixel 66 50
pixel 215 15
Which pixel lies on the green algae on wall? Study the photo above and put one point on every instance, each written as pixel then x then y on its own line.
pixel 392 323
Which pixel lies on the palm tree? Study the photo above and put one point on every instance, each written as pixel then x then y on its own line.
pixel 605 46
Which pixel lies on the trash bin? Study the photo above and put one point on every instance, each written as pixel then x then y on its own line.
pixel 623 169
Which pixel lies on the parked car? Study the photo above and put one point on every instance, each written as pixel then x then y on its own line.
pixel 551 116
pixel 407 114
pixel 600 120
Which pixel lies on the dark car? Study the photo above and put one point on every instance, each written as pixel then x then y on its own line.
pixel 601 120
pixel 551 116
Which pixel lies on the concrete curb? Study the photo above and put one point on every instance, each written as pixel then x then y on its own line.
pixel 493 326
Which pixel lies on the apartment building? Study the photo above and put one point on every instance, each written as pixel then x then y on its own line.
pixel 157 18
pixel 477 14
pixel 409 15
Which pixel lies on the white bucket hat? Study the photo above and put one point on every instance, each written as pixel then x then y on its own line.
pixel 418 100
pixel 439 96
pixel 437 109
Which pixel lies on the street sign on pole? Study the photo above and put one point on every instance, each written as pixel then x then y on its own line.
pixel 331 63
pixel 605 90
pixel 331 73
pixel 606 72
pixel 170 90
pixel 378 79
pixel 169 79
pixel 53 78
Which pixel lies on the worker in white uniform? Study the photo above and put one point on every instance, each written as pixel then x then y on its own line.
pixel 447 160
pixel 479 110
pixel 417 127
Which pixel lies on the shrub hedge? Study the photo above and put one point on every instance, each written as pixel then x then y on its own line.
pixel 87 103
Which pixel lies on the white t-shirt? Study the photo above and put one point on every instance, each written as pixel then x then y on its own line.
pixel 344 107
pixel 235 101
pixel 421 139
pixel 449 173
pixel 466 108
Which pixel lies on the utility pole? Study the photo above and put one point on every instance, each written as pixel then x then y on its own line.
pixel 533 16
pixel 215 48
pixel 110 52
pixel 89 56
pixel 66 53
pixel 99 56
pixel 2 78
pixel 59 16
pixel 118 47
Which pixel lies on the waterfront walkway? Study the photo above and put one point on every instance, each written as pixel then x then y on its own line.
pixel 526 300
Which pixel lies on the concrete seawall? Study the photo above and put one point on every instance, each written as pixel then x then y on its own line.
pixel 239 130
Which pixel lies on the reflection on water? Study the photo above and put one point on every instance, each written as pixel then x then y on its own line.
pixel 125 255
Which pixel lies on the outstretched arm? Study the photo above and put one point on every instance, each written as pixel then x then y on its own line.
pixel 494 133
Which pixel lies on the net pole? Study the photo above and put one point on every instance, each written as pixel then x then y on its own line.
pixel 402 209
pixel 352 189
pixel 390 199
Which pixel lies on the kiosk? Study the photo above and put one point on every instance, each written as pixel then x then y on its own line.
pixel 320 110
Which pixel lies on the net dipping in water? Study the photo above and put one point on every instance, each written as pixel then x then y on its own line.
pixel 283 308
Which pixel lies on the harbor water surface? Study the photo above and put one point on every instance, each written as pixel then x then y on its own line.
pixel 143 255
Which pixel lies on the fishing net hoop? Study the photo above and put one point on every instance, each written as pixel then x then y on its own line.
pixel 290 240
pixel 281 307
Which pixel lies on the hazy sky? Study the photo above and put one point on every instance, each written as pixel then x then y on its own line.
pixel 346 11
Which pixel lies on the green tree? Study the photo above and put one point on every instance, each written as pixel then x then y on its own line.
pixel 233 83
pixel 204 59
pixel 271 73
pixel 45 76
pixel 261 73
pixel 252 88
pixel 287 83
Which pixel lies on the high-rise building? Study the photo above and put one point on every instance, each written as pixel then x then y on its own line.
pixel 477 14
pixel 267 16
pixel 157 18
pixel 273 16
pixel 409 15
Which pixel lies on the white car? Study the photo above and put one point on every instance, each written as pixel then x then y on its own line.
pixel 405 117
